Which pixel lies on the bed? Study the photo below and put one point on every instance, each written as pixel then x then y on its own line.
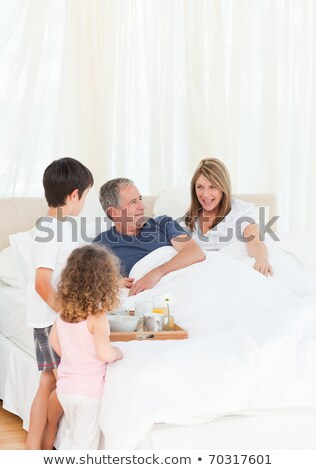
pixel 245 378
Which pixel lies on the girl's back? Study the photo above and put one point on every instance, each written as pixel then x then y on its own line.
pixel 80 372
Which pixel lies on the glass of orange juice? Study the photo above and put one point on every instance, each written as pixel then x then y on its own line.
pixel 159 305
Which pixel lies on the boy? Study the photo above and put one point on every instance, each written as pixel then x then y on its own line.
pixel 66 183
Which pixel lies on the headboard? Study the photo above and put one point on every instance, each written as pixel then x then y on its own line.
pixel 19 214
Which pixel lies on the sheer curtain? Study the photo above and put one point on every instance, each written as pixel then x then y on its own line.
pixel 31 49
pixel 145 89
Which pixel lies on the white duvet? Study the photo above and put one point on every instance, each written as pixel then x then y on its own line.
pixel 251 347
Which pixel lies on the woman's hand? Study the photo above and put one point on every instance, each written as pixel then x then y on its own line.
pixel 263 266
pixel 257 250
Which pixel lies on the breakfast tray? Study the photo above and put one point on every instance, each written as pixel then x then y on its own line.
pixel 140 335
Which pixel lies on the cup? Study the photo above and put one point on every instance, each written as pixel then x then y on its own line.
pixel 159 305
pixel 143 307
pixel 153 322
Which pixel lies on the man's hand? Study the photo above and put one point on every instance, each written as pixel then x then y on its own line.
pixel 146 282
pixel 126 282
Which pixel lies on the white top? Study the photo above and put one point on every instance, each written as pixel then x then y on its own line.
pixel 229 230
pixel 81 371
pixel 53 242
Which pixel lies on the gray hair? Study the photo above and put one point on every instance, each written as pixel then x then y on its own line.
pixel 110 193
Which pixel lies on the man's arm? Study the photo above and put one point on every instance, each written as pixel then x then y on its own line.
pixel 188 253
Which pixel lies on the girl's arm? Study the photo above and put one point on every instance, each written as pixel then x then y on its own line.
pixel 53 339
pixel 100 330
pixel 257 249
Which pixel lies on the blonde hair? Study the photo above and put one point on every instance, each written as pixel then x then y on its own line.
pixel 216 172
pixel 89 284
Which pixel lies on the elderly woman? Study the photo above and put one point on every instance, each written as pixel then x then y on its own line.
pixel 216 219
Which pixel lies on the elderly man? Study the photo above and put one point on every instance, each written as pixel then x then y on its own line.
pixel 133 236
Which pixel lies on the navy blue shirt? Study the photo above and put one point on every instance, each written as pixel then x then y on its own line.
pixel 129 249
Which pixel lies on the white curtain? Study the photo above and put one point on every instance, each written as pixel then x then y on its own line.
pixel 146 88
pixel 31 50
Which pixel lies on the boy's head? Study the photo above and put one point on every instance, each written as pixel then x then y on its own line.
pixel 64 176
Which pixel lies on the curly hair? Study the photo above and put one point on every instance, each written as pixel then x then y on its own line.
pixel 89 284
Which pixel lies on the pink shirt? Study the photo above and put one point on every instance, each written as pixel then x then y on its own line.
pixel 80 371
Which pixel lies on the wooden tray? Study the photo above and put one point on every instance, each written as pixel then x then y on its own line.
pixel 140 335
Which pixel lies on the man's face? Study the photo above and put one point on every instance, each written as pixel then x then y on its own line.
pixel 130 214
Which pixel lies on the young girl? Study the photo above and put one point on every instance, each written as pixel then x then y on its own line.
pixel 89 287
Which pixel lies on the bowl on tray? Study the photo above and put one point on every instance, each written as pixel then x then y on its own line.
pixel 122 322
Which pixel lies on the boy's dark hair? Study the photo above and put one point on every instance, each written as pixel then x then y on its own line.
pixel 62 177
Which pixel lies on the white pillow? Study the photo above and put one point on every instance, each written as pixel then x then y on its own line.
pixel 173 202
pixel 21 244
pixel 152 260
pixel 263 211
pixel 8 272
pixel 87 232
pixel 301 245
pixel 92 207
pixel 92 220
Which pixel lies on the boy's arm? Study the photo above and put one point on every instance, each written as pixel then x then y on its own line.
pixel 44 288
pixel 100 330
pixel 53 339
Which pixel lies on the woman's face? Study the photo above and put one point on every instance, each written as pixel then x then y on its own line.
pixel 208 196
